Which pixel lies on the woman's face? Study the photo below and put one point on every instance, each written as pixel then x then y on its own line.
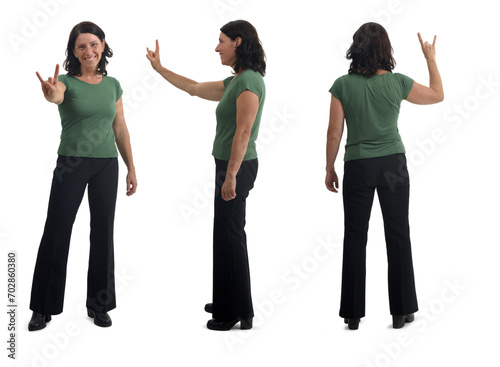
pixel 227 49
pixel 88 50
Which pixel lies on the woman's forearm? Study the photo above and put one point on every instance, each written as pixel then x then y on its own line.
pixel 122 138
pixel 238 151
pixel 334 133
pixel 332 149
pixel 178 81
pixel 435 82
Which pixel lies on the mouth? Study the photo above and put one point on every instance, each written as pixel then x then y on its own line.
pixel 89 59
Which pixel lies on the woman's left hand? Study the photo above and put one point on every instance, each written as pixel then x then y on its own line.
pixel 228 190
pixel 131 183
pixel 332 181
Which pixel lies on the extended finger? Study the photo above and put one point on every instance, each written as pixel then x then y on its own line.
pixel 420 39
pixel 157 47
pixel 40 78
pixel 56 73
pixel 434 42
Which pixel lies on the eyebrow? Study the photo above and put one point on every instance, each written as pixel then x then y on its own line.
pixel 83 44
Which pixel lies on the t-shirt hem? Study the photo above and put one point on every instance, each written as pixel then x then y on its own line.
pixel 225 158
pixel 66 154
pixel 351 157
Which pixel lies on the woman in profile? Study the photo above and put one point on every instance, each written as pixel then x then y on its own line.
pixel 369 99
pixel 93 126
pixel 241 100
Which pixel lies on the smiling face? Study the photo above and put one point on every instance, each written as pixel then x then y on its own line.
pixel 227 49
pixel 88 50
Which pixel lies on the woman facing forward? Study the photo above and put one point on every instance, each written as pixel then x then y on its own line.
pixel 241 100
pixel 369 99
pixel 91 110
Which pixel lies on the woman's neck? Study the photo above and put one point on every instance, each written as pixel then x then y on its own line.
pixel 90 76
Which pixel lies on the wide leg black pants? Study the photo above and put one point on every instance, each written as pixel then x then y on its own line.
pixel 389 176
pixel 71 177
pixel 231 275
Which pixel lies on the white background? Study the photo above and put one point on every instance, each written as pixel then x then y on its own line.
pixel 295 226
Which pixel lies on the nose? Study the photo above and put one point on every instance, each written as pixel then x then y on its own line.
pixel 88 50
pixel 217 49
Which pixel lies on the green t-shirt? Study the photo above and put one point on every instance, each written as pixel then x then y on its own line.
pixel 226 113
pixel 371 107
pixel 87 115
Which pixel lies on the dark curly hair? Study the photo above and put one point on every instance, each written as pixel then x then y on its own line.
pixel 249 54
pixel 370 51
pixel 72 64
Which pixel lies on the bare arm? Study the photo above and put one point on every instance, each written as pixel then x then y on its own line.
pixel 334 135
pixel 247 107
pixel 212 91
pixel 53 90
pixel 421 94
pixel 122 138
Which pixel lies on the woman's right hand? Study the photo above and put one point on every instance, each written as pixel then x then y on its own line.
pixel 51 88
pixel 428 49
pixel 434 93
pixel 154 57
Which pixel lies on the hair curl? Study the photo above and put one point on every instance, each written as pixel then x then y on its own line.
pixel 370 51
pixel 249 54
pixel 72 64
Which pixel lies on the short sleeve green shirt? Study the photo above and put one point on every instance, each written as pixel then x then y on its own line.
pixel 371 107
pixel 226 114
pixel 87 115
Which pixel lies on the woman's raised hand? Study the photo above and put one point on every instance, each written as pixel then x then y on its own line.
pixel 154 57
pixel 428 49
pixel 50 87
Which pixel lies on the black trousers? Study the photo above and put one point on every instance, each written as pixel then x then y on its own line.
pixel 71 177
pixel 389 176
pixel 231 275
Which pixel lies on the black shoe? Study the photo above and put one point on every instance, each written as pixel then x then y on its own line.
pixel 38 321
pixel 209 307
pixel 228 325
pixel 101 319
pixel 398 321
pixel 353 324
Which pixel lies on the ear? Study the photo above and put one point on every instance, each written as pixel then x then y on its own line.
pixel 237 41
pixel 103 45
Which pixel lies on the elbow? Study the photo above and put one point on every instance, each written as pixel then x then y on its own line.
pixel 439 97
pixel 243 136
pixel 193 90
pixel 334 135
